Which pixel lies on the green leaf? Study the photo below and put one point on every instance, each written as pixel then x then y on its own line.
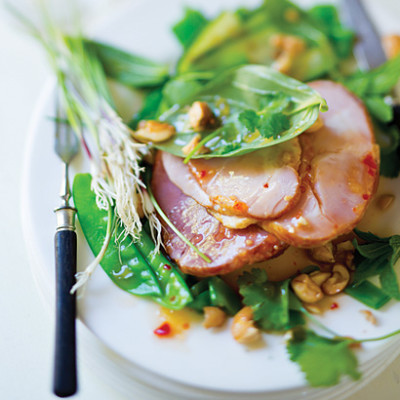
pixel 373 250
pixel 269 300
pixel 324 361
pixel 223 296
pixel 127 68
pixel 327 18
pixel 379 109
pixel 187 29
pixel 150 108
pixel 379 81
pixel 285 108
pixel 244 37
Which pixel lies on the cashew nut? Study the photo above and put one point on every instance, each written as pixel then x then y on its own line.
pixel 154 131
pixel 200 115
pixel 338 281
pixel 213 317
pixel 323 253
pixel 306 289
pixel 243 329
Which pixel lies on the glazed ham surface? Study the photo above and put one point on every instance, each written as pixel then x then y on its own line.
pixel 339 172
pixel 228 249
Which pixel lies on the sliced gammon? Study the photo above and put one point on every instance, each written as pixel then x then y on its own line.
pixel 263 184
pixel 339 172
pixel 228 249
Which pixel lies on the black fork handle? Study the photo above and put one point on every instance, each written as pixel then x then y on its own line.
pixel 65 375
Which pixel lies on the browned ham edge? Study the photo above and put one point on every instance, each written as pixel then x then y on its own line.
pixel 340 171
pixel 228 249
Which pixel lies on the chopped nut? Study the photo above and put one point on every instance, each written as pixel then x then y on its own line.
pixel 318 124
pixel 313 308
pixel 338 281
pixel 243 329
pixel 391 44
pixel 200 115
pixel 153 131
pixel 291 15
pixel 323 253
pixel 349 261
pixel 385 201
pixel 344 246
pixel 369 316
pixel 287 47
pixel 306 289
pixel 319 277
pixel 189 147
pixel 213 317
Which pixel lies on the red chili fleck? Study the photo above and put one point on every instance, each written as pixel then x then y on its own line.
pixel 365 196
pixel 185 326
pixel 371 171
pixel 334 306
pixel 202 173
pixel 163 330
pixel 166 266
pixel 266 185
pixel 370 162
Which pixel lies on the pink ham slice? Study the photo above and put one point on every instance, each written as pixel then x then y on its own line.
pixel 263 184
pixel 228 249
pixel 339 170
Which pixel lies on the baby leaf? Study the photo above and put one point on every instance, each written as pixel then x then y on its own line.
pixel 257 107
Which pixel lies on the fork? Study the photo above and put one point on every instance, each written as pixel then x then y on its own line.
pixel 66 147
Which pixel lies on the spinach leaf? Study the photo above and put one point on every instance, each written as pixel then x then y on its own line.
pixel 189 27
pixel 269 301
pixel 245 36
pixel 126 68
pixel 279 107
pixel 322 360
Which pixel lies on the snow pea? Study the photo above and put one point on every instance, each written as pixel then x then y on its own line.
pixel 132 266
pixel 176 293
pixel 123 263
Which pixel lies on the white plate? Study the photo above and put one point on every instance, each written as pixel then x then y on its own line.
pixel 203 364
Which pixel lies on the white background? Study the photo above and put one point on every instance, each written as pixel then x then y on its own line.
pixel 26 326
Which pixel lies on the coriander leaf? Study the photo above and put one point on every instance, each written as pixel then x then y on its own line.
pixel 389 283
pixel 322 360
pixel 249 119
pixel 368 268
pixel 370 237
pixel 269 300
pixel 272 125
pixel 187 29
pixel 373 250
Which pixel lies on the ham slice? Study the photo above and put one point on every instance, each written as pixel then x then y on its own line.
pixel 228 249
pixel 339 173
pixel 263 184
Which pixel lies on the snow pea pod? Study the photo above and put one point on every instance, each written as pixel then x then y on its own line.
pixel 176 293
pixel 123 263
